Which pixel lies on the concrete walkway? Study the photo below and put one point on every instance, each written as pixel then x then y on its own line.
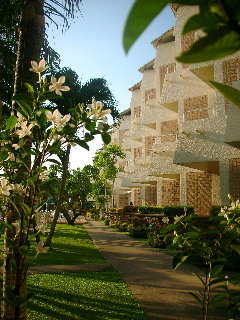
pixel 162 292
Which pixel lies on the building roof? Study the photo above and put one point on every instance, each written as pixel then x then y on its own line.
pixel 136 86
pixel 164 38
pixel 147 66
pixel 174 7
pixel 126 112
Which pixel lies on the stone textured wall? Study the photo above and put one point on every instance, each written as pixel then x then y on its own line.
pixel 199 191
pixel 231 71
pixel 122 134
pixel 163 70
pixel 137 197
pixel 149 142
pixel 234 178
pixel 122 164
pixel 123 200
pixel 137 112
pixel 169 131
pixel 196 108
pixel 170 192
pixel 150 94
pixel 151 195
pixel 187 40
pixel 137 152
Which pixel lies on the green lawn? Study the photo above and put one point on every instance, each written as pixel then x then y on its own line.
pixel 71 245
pixel 83 295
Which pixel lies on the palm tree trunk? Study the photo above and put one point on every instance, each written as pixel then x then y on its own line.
pixel 60 197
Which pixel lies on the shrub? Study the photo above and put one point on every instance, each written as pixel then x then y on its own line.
pixel 107 222
pixel 123 227
pixel 215 210
pixel 171 211
pixel 138 232
pixel 130 209
pixel 150 210
pixel 115 210
pixel 159 240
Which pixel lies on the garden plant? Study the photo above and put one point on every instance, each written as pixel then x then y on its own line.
pixel 30 138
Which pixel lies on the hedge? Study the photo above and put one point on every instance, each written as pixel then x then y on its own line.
pixel 150 210
pixel 169 211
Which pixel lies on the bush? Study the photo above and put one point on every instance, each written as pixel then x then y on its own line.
pixel 115 210
pixel 138 232
pixel 215 210
pixel 130 209
pixel 107 222
pixel 159 240
pixel 150 210
pixel 123 227
pixel 172 211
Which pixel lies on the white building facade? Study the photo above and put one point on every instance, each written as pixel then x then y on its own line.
pixel 181 137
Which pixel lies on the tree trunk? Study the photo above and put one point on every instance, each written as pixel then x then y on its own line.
pixel 60 197
pixel 31 35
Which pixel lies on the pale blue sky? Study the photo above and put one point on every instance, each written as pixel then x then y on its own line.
pixel 93 48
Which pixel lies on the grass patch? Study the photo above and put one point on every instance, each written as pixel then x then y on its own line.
pixel 71 245
pixel 81 296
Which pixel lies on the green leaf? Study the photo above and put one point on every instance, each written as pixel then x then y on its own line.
pixel 215 45
pixel 204 20
pixel 230 93
pixel 29 87
pixel 25 107
pixel 11 122
pixel 49 96
pixel 22 97
pixel 196 275
pixel 55 161
pixel 219 298
pixel 168 228
pixel 140 16
pixel 235 247
pixel 192 235
pixel 26 208
pixel 106 138
pixel 81 143
pixel 178 260
pixel 194 295
pixel 216 270
pixel 218 280
pixel 90 125
pixel 23 250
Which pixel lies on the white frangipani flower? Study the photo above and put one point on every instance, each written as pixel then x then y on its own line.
pixel 5 187
pixel 165 220
pixel 178 218
pixel 40 247
pixel 57 85
pixel 96 110
pixel 38 67
pixel 18 188
pixel 25 129
pixel 54 116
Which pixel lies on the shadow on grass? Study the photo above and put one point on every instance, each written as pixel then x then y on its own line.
pixel 87 296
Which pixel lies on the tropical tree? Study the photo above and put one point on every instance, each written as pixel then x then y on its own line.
pixel 218 19
pixel 104 163
pixel 83 94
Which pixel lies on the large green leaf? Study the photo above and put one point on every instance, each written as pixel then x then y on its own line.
pixel 230 93
pixel 216 270
pixel 205 21
pixel 106 138
pixel 178 260
pixel 11 122
pixel 215 45
pixel 140 16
